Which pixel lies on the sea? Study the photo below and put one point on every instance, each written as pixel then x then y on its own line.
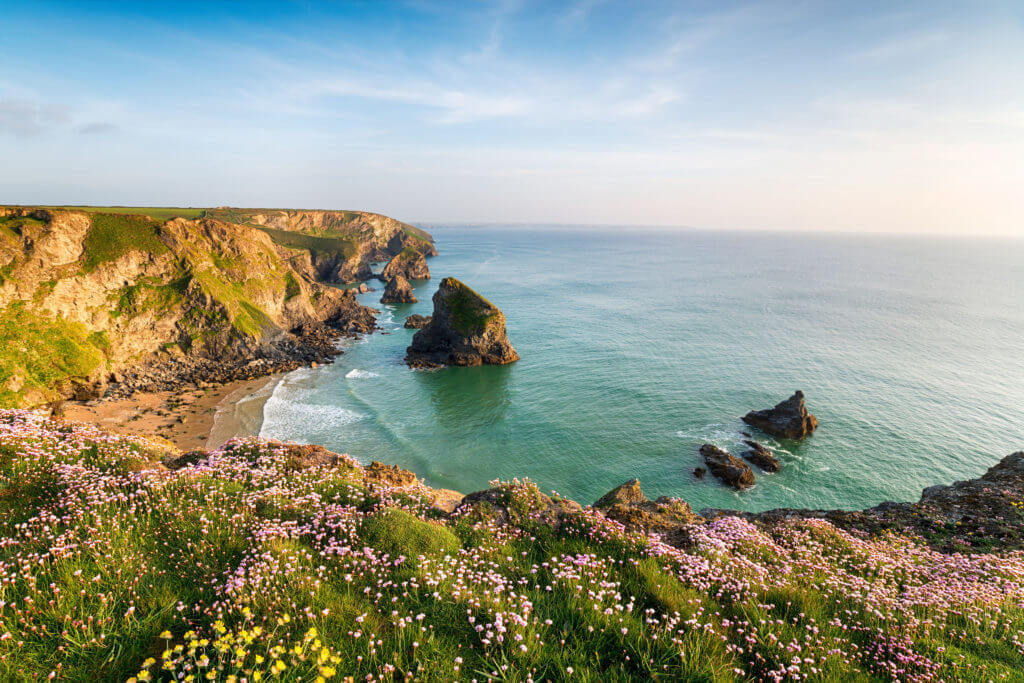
pixel 638 346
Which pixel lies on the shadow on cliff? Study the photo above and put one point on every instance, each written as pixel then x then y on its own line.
pixel 464 398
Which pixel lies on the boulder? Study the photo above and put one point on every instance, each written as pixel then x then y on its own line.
pixel 730 469
pixel 409 263
pixel 787 420
pixel 465 329
pixel 628 505
pixel 417 322
pixel 762 457
pixel 398 291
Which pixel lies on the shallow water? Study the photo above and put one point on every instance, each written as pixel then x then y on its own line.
pixel 637 347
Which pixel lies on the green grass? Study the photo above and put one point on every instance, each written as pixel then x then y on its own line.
pixel 470 313
pixel 160 213
pixel 315 245
pixel 396 532
pixel 38 351
pixel 112 235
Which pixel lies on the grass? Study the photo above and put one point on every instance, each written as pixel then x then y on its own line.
pixel 469 312
pixel 247 566
pixel 112 235
pixel 38 352
pixel 312 243
pixel 159 213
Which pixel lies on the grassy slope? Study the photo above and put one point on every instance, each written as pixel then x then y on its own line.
pixel 37 351
pixel 246 566
pixel 470 313
pixel 161 213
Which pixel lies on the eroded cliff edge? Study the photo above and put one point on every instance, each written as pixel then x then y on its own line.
pixel 96 301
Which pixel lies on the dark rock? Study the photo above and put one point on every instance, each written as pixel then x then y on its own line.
pixel 391 475
pixel 699 472
pixel 762 457
pixel 730 469
pixel 627 493
pixel 787 420
pixel 184 460
pixel 409 263
pixel 398 291
pixel 417 322
pixel 628 505
pixel 465 329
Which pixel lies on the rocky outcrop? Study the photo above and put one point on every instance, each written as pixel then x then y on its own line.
pixel 628 505
pixel 730 469
pixel 787 420
pixel 761 456
pixel 398 291
pixel 408 263
pixel 417 322
pixel 465 329
pixel 129 303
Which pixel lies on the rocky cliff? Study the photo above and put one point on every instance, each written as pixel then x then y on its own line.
pixel 465 329
pixel 87 297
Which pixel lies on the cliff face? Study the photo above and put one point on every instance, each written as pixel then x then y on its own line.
pixel 335 246
pixel 87 295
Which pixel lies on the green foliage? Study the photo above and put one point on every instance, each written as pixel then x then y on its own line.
pixel 396 532
pixel 347 247
pixel 291 286
pixel 113 235
pixel 159 213
pixel 38 351
pixel 470 313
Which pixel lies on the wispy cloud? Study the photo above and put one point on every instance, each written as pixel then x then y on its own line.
pixel 25 117
pixel 905 45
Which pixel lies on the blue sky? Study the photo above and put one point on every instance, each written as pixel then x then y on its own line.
pixel 855 116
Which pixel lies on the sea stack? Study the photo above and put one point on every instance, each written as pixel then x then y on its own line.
pixel 787 420
pixel 398 291
pixel 408 263
pixel 762 457
pixel 730 469
pixel 465 329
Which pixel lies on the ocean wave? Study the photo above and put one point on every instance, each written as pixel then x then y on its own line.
pixel 356 373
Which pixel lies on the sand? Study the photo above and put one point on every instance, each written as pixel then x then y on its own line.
pixel 200 418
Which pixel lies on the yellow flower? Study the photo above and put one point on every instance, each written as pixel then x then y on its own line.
pixel 279 666
pixel 327 671
pixel 148 663
pixel 257 676
pixel 259 659
pixel 166 635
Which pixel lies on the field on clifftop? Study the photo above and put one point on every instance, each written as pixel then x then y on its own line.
pixel 271 562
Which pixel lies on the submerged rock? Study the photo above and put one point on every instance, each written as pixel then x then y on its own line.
pixel 417 322
pixel 730 469
pixel 762 457
pixel 398 291
pixel 465 329
pixel 787 420
pixel 409 263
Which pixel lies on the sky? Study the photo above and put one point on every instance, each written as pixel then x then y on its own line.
pixel 824 116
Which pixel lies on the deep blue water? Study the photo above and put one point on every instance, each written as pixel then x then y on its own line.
pixel 639 346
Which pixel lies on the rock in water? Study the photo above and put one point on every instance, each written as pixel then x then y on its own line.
pixel 627 493
pixel 762 457
pixel 417 322
pixel 466 329
pixel 408 263
pixel 398 291
pixel 787 420
pixel 727 467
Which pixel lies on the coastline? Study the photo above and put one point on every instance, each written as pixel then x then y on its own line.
pixel 200 418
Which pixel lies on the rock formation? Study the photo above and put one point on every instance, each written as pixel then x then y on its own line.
pixel 628 505
pixel 730 469
pixel 465 329
pixel 416 321
pixel 409 263
pixel 398 291
pixel 787 420
pixel 761 456
pixel 129 303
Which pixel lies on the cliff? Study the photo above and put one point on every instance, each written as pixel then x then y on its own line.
pixel 88 296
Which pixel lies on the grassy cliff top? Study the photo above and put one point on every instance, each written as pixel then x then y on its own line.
pixel 251 564
pixel 469 312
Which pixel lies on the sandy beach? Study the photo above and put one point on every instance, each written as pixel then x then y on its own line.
pixel 199 418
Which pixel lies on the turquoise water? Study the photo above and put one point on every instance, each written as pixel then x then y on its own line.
pixel 637 347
